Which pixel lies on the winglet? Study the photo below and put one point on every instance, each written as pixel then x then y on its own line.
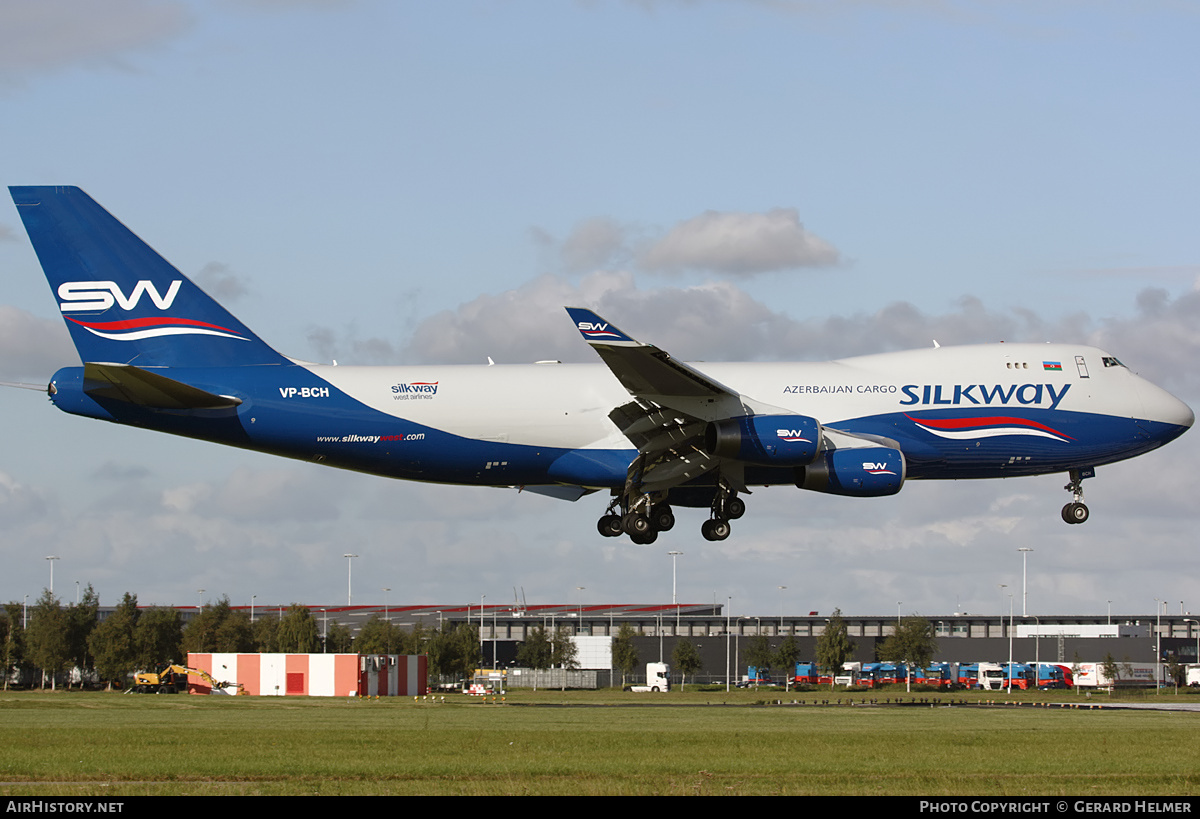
pixel 596 330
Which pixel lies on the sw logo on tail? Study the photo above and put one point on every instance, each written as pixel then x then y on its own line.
pixel 652 432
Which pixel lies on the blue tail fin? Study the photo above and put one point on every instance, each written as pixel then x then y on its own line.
pixel 122 302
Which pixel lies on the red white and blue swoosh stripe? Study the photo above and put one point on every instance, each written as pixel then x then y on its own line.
pixel 602 335
pixel 987 427
pixel 143 328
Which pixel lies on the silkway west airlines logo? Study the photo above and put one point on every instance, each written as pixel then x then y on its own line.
pixel 96 297
pixel 598 331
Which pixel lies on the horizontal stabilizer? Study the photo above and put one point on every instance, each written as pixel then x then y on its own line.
pixel 133 385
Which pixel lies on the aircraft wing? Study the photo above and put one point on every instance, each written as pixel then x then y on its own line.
pixel 653 375
pixel 672 407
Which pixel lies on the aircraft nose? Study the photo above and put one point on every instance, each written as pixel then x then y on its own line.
pixel 1165 408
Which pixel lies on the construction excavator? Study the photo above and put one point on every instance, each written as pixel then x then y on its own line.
pixel 169 678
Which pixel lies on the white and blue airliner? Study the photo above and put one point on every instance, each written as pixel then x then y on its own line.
pixel 649 431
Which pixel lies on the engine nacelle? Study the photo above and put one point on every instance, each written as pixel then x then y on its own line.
pixel 770 440
pixel 867 472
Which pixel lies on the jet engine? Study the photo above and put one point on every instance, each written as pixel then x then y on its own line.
pixel 866 472
pixel 769 440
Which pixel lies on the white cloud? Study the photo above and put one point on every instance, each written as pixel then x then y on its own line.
pixel 739 244
pixel 32 348
pixel 36 35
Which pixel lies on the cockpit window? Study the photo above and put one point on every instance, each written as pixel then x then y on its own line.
pixel 1110 361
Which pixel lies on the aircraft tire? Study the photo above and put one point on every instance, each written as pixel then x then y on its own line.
pixel 1075 513
pixel 645 539
pixel 735 508
pixel 610 526
pixel 715 529
pixel 636 524
pixel 663 518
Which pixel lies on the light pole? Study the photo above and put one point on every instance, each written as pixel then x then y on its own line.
pixel 349 572
pixel 199 599
pixel 674 600
pixel 1010 642
pixel 1024 550
pixel 782 589
pixel 253 597
pixel 52 558
pixel 1158 607
pixel 1197 622
pixel 1008 670
pixel 728 638
pixel 387 617
pixel 1037 648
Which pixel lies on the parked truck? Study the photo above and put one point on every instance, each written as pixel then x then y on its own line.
pixel 658 678
pixel 1129 675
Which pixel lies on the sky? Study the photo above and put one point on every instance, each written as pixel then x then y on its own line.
pixel 398 182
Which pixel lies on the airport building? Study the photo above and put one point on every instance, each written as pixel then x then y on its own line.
pixel 722 638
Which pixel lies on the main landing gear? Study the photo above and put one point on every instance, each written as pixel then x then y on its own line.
pixel 642 522
pixel 647 516
pixel 1077 511
pixel 726 506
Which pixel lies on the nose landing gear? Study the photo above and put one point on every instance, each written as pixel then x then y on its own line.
pixel 1077 511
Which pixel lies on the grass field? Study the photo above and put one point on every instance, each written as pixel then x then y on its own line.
pixel 703 743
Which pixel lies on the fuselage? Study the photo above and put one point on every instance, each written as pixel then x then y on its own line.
pixel 955 412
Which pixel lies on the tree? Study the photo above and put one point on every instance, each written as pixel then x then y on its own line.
pixel 218 628
pixel 912 643
pixel 49 648
pixel 686 659
pixel 759 654
pixel 535 651
pixel 12 651
pixel 158 637
pixel 298 631
pixel 454 650
pixel 81 621
pixel 112 642
pixel 624 655
pixel 379 636
pixel 1175 669
pixel 563 652
pixel 1112 670
pixel 338 639
pixel 787 655
pixel 414 641
pixel 834 646
pixel 265 631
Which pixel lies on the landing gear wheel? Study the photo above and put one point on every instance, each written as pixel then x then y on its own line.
pixel 635 524
pixel 735 508
pixel 1075 513
pixel 715 529
pixel 610 526
pixel 645 539
pixel 662 518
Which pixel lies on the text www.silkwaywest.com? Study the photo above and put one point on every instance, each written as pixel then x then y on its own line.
pixel 368 439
